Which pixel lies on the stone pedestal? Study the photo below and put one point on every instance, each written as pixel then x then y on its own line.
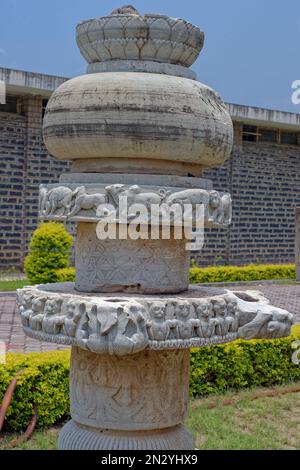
pixel 137 126
pixel 140 266
pixel 128 400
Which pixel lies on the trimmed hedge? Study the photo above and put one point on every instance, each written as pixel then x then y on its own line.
pixel 243 364
pixel 214 369
pixel 255 272
pixel 65 274
pixel 48 258
pixel 44 382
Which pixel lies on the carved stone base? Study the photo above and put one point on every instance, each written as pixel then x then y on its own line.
pixel 133 402
pixel 76 437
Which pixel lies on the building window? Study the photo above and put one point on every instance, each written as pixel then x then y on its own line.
pixel 44 105
pixel 289 138
pixel 267 135
pixel 11 105
pixel 250 133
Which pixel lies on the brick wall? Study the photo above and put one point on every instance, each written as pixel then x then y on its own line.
pixel 24 165
pixel 263 179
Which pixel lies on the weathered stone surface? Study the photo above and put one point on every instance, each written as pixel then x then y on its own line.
pixel 129 36
pixel 144 391
pixel 76 437
pixel 138 115
pixel 129 265
pixel 97 201
pixel 126 324
pixel 141 66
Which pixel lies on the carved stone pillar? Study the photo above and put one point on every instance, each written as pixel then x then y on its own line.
pixel 138 125
pixel 129 402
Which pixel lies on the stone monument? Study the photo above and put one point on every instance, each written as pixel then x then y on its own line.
pixel 138 125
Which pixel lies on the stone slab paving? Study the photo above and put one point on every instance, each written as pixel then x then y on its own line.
pixel 11 332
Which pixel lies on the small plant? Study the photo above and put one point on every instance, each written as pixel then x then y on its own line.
pixel 49 254
pixel 242 273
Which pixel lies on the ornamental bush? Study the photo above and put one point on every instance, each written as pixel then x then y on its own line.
pixel 242 273
pixel 49 252
pixel 215 369
pixel 44 383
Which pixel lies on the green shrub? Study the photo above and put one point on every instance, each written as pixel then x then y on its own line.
pixel 242 273
pixel 44 382
pixel 49 251
pixel 214 369
pixel 65 274
pixel 243 364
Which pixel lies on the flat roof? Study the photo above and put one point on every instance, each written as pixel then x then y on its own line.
pixel 22 82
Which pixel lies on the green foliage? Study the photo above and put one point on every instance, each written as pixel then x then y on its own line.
pixel 49 252
pixel 44 382
pixel 243 364
pixel 65 274
pixel 242 273
pixel 215 369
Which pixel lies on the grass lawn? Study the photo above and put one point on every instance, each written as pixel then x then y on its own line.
pixel 264 423
pixel 13 285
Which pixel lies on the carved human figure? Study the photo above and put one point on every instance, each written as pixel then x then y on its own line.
pixel 36 318
pixel 132 324
pixel 52 319
pixel 232 314
pixel 25 308
pixel 185 327
pixel 208 323
pixel 158 327
pixel 220 309
pixel 74 311
pixel 84 201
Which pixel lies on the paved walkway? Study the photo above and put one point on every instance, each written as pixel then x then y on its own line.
pixel 11 332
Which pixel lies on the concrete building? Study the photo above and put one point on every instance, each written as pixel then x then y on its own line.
pixel 262 175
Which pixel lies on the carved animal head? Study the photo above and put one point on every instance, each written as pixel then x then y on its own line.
pixel 115 189
pixel 214 199
pixel 134 189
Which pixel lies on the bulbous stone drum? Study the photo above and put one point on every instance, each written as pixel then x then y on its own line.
pixel 141 116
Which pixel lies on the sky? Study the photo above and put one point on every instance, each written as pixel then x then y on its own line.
pixel 251 53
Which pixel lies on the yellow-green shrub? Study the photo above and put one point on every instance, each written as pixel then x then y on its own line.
pixel 214 369
pixel 49 252
pixel 242 273
pixel 44 382
pixel 243 364
pixel 65 274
